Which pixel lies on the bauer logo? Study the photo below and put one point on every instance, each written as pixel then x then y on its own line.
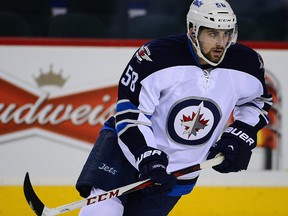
pixel 27 111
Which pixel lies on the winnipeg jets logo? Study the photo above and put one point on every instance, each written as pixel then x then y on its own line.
pixel 198 3
pixel 143 53
pixel 192 121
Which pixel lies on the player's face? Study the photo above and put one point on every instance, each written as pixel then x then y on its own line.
pixel 213 43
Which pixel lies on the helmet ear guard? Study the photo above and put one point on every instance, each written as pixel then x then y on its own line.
pixel 215 14
pixel 235 35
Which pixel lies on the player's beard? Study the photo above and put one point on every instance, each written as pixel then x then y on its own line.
pixel 214 55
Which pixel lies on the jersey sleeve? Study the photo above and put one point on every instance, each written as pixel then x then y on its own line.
pixel 254 110
pixel 135 105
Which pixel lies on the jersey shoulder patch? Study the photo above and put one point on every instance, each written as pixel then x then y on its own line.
pixel 162 53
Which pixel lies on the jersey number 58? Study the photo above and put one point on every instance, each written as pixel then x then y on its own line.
pixel 130 78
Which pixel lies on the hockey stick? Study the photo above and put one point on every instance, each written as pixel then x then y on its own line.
pixel 41 210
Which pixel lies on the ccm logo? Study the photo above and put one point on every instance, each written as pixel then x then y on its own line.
pixel 148 154
pixel 240 134
pixel 224 20
pixel 101 197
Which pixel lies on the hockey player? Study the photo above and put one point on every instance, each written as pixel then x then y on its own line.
pixel 174 99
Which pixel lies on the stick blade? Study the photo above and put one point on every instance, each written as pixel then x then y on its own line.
pixel 34 202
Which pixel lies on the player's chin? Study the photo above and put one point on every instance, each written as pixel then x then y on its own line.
pixel 215 59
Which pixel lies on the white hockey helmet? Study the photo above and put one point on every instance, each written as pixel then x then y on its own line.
pixel 216 14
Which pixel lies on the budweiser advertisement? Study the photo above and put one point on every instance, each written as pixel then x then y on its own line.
pixel 77 115
pixel 55 99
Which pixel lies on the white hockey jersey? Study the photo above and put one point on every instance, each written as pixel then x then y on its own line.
pixel 168 101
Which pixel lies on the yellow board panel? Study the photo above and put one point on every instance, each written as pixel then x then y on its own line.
pixel 234 201
pixel 13 202
pixel 203 201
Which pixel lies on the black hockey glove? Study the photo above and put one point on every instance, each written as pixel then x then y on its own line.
pixel 236 144
pixel 153 163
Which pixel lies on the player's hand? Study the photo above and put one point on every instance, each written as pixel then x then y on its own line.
pixel 236 145
pixel 155 169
